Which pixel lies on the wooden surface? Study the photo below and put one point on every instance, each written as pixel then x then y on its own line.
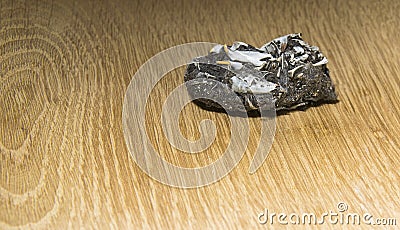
pixel 64 70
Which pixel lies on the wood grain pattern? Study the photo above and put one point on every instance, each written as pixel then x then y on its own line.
pixel 64 70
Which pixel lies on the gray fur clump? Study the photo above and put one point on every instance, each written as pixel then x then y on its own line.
pixel 283 74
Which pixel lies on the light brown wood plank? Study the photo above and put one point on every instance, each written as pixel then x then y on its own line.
pixel 65 67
